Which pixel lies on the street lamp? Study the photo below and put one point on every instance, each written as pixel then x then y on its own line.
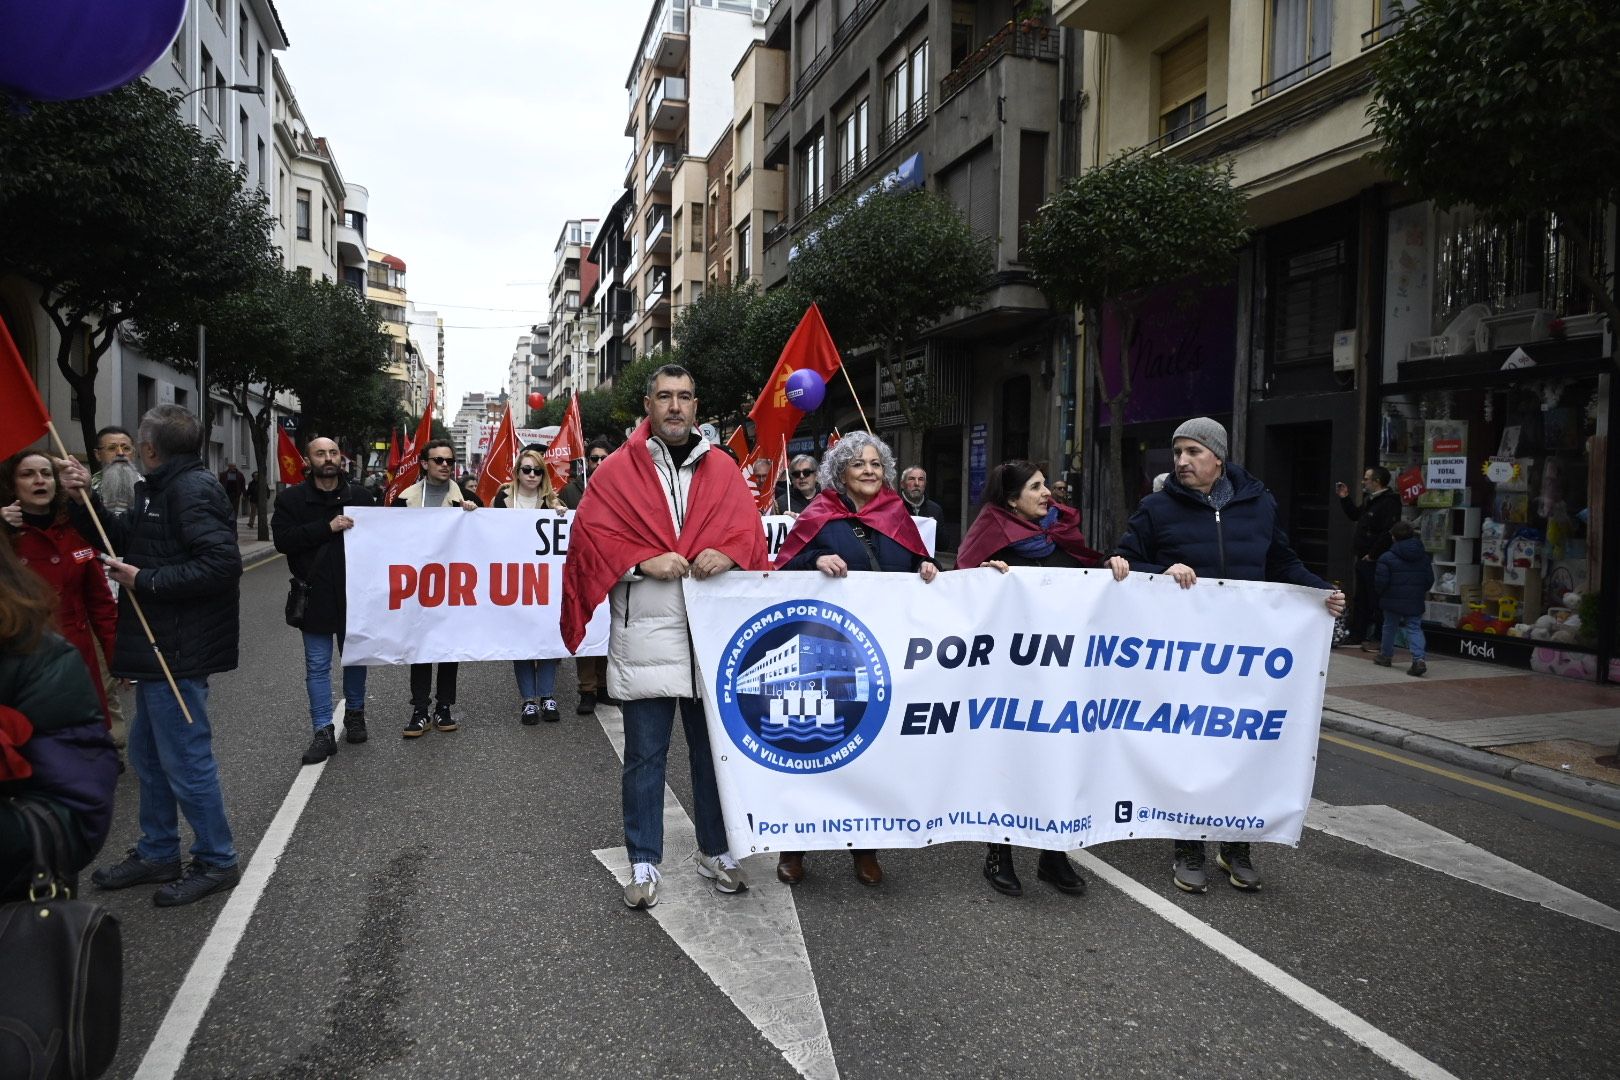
pixel 241 88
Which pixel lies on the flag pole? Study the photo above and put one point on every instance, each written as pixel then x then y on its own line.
pixel 856 396
pixel 134 601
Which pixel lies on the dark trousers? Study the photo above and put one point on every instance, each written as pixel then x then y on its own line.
pixel 422 685
pixel 1365 617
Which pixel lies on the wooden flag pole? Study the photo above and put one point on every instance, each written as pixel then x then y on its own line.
pixel 134 601
pixel 857 398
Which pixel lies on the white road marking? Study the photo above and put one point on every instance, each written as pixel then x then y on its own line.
pixel 750 944
pixel 168 1047
pixel 1386 1046
pixel 1386 829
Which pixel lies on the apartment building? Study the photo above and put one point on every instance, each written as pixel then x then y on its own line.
pixel 316 233
pixel 614 300
pixel 756 193
pixel 573 331
pixel 385 292
pixel 424 354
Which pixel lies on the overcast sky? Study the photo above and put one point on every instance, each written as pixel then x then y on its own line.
pixel 479 127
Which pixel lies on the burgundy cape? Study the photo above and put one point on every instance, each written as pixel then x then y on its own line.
pixel 997 527
pixel 886 513
pixel 624 520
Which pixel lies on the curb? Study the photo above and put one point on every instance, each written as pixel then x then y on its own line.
pixel 1578 788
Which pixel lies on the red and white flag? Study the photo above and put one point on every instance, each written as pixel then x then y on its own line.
pixel 500 460
pixel 410 470
pixel 567 447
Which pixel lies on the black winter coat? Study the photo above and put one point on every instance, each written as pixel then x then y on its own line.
pixel 302 527
pixel 1405 572
pixel 1241 541
pixel 838 538
pixel 1373 519
pixel 180 532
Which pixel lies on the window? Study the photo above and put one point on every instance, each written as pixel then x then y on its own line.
pixel 812 170
pixel 1299 41
pixel 219 94
pixel 745 262
pixel 303 272
pixel 963 38
pixel 697 226
pixel 974 185
pixel 242 137
pixel 303 220
pixel 1310 290
pixel 851 147
pixel 807 42
pixel 205 77
pixel 743 156
pixel 696 291
pixel 574 232
pixel 260 158
pixel 1182 84
pixel 905 91
pixel 259 69
pixel 243 35
pixel 1031 180
pixel 281 195
pixel 177 50
pixel 219 10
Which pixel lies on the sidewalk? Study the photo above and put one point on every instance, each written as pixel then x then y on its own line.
pixel 1536 729
pixel 253 549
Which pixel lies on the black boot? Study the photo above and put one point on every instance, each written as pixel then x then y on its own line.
pixel 1056 870
pixel 998 870
pixel 354 726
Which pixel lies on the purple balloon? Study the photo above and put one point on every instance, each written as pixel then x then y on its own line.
pixel 805 390
pixel 64 49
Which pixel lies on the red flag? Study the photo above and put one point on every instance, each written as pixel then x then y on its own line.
pixel 288 457
pixel 738 443
pixel 393 452
pixel 568 446
pixel 499 459
pixel 22 414
pixel 775 421
pixel 411 469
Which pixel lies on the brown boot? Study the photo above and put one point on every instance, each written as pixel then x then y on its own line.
pixel 867 870
pixel 790 867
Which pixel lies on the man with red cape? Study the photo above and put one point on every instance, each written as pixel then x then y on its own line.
pixel 660 508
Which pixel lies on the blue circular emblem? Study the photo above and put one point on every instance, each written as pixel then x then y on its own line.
pixel 803 687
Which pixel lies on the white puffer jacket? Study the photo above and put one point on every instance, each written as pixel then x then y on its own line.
pixel 649 645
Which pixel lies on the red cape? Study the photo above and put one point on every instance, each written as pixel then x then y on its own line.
pixel 886 513
pixel 624 520
pixel 996 528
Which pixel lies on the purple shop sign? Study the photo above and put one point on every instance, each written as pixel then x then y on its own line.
pixel 1182 361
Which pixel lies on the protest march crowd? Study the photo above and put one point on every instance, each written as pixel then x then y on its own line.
pixel 667 505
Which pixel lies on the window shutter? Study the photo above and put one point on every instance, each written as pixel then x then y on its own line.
pixel 984 206
pixel 1182 71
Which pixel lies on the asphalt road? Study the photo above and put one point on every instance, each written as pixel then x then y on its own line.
pixel 438 913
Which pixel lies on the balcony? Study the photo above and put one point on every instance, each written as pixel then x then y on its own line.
pixel 1103 16
pixel 849 169
pixel 666 104
pixel 661 158
pixel 666 36
pixel 658 233
pixel 351 246
pixel 775 235
pixel 904 124
pixel 1298 75
pixel 1029 41
pixel 807 205
pixel 657 301
pixel 1384 30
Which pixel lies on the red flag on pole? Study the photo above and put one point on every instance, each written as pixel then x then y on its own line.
pixel 288 457
pixel 811 347
pixel 393 452
pixel 22 414
pixel 738 443
pixel 568 446
pixel 499 460
pixel 410 469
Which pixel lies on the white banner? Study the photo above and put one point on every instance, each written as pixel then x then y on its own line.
pixel 777 527
pixel 447 584
pixel 1044 708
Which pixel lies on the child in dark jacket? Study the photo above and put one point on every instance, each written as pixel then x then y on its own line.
pixel 1404 574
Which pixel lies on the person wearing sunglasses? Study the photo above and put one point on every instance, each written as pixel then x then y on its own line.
pixel 795 493
pixel 596 452
pixel 590 671
pixel 436 488
pixel 530 489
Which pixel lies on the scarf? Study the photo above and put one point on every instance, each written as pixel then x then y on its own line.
pixel 886 513
pixel 624 520
pixel 997 527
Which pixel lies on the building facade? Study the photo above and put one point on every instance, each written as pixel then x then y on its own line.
pixel 573 331
pixel 615 300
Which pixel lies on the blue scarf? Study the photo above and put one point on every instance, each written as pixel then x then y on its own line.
pixel 1040 545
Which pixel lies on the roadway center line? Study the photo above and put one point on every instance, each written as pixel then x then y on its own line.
pixel 1546 804
pixel 1386 1046
pixel 168 1047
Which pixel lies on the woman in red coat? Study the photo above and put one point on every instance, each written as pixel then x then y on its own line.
pixel 34 508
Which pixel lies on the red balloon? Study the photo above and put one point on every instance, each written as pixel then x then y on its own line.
pixel 537 400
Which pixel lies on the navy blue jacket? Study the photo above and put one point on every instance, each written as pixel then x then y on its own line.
pixel 1241 541
pixel 838 538
pixel 1404 573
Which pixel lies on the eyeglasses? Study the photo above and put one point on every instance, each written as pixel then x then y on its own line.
pixel 442 460
pixel 597 459
pixel 529 470
pixel 800 474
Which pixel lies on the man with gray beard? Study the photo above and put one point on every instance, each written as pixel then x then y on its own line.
pixel 114 483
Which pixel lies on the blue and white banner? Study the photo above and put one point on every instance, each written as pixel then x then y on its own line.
pixel 1043 708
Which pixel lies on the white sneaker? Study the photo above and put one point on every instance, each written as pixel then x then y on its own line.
pixel 642 892
pixel 721 869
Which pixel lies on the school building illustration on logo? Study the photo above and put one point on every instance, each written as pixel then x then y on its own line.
pixel 804 678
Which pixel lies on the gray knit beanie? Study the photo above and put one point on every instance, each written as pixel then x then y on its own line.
pixel 1201 429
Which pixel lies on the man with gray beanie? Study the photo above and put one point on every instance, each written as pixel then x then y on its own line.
pixel 1213 519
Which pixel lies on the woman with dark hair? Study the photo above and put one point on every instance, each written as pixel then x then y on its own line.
pixel 530 489
pixel 34 508
pixel 1020 524
pixel 857 522
pixel 54 746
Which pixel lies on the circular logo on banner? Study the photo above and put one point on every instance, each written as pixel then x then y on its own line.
pixel 803 687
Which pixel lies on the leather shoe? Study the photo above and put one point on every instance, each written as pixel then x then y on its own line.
pixel 1057 871
pixel 998 870
pixel 790 867
pixel 867 870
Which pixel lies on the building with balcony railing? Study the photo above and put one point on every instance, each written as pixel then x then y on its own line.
pixel 572 276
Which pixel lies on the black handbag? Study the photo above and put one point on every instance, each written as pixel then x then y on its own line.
pixel 64 958
pixel 298 590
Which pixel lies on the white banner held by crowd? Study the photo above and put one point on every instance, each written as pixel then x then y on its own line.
pixel 1044 708
pixel 446 584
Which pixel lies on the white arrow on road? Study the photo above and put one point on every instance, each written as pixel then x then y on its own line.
pixel 1386 829
pixel 750 943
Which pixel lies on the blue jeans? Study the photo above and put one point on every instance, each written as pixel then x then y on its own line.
pixel 648 725
pixel 536 679
pixel 1412 624
pixel 318 680
pixel 175 763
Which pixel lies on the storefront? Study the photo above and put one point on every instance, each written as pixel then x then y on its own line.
pixel 1494 420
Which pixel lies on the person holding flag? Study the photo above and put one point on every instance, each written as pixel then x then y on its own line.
pixel 531 490
pixel 659 510
pixel 589 671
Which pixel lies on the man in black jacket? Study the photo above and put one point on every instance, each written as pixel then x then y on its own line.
pixel 179 557
pixel 308 526
pixel 1380 508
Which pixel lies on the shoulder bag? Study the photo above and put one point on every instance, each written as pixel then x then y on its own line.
pixel 298 589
